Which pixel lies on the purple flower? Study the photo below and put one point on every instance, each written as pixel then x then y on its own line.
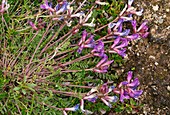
pixel 120 21
pixel 105 90
pixel 62 8
pixel 128 89
pixel 92 98
pixel 75 108
pixel 132 10
pixel 112 99
pixel 82 107
pixel 47 6
pixel 104 59
pixel 133 22
pixel 89 43
pixel 124 33
pixel 132 37
pixel 32 25
pixel 110 26
pixel 142 31
pixel 98 49
pixel 119 46
pixel 103 65
pixel 83 43
pixel 106 102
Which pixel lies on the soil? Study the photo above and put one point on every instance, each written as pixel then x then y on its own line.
pixel 151 58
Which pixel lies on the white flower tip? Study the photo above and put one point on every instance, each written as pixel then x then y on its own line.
pixel 101 3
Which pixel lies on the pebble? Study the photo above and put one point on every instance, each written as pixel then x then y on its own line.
pixel 156 63
pixel 168 88
pixel 152 57
pixel 155 8
pixel 167 10
pixel 161 20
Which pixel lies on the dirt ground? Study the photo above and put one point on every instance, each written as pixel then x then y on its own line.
pixel 151 58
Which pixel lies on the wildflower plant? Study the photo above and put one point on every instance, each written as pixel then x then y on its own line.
pixel 53 53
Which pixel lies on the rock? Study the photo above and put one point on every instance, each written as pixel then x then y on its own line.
pixel 168 88
pixel 155 8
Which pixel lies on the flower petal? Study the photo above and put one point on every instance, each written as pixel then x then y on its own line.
pixel 104 59
pixel 106 102
pixel 129 77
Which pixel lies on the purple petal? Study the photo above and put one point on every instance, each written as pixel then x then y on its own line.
pixel 120 28
pixel 123 83
pixel 99 46
pixel 111 25
pixel 75 108
pixel 134 93
pixel 134 25
pixel 137 93
pixel 111 98
pixel 89 46
pixel 43 6
pixel 132 37
pixel 106 64
pixel 121 52
pixel 80 49
pixel 116 41
pixel 106 102
pixel 104 59
pixel 129 77
pixel 142 26
pixel 100 71
pixel 123 95
pixel 120 21
pixel 101 54
pixel 122 45
pixel 57 7
pixel 32 25
pixel 64 7
pixel 145 35
pixel 91 98
pixel 90 40
pixel 134 84
pixel 124 33
pixel 104 88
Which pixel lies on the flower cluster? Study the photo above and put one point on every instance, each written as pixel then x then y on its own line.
pixel 63 10
pixel 89 43
pixel 119 46
pixel 102 93
pixel 121 37
pixel 128 89
pixel 97 50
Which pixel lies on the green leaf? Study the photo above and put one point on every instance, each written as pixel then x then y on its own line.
pixel 132 102
pixel 17 88
pixel 31 85
pixel 3 95
pixel 24 91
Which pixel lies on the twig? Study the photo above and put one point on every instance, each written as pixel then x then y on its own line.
pixel 27 67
